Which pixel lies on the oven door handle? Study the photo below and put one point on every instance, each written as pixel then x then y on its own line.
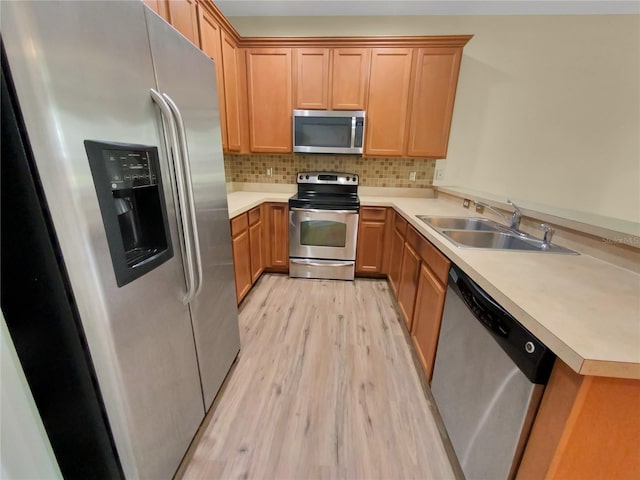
pixel 346 263
pixel 318 210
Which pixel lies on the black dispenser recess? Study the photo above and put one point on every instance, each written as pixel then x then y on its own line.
pixel 129 188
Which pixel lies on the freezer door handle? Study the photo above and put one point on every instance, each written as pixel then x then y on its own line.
pixel 186 162
pixel 182 205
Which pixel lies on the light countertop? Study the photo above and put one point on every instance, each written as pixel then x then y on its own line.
pixel 585 310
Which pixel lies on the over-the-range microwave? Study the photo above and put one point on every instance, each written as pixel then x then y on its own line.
pixel 328 131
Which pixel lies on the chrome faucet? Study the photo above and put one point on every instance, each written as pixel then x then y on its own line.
pixel 513 222
pixel 546 236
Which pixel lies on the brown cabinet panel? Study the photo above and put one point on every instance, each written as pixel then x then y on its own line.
pixel 269 91
pixel 210 42
pixel 349 78
pixel 159 6
pixel 395 256
pixel 376 214
pixel 239 224
pixel 434 92
pixel 427 318
pixel 370 248
pixel 256 241
pixel 277 243
pixel 242 263
pixel 408 283
pixel 232 92
pixel 312 78
pixel 438 263
pixel 389 85
pixel 183 15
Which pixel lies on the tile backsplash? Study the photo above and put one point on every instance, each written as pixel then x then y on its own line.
pixel 373 171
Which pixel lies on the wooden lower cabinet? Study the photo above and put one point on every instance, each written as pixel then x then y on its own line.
pixel 256 243
pixel 277 236
pixel 372 233
pixel 408 283
pixel 586 428
pixel 395 253
pixel 241 255
pixel 427 318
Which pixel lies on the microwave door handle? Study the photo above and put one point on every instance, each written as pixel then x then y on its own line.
pixel 353 131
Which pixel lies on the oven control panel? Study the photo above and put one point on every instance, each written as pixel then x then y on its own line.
pixel 328 178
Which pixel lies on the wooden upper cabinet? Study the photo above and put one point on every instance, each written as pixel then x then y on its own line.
pixel 434 92
pixel 211 45
pixel 158 6
pixel 349 78
pixel 183 15
pixel 232 92
pixel 270 99
pixel 389 86
pixel 312 78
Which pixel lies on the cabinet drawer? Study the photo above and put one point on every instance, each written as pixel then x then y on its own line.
pixel 373 213
pixel 254 216
pixel 400 224
pixel 239 224
pixel 437 262
pixel 413 238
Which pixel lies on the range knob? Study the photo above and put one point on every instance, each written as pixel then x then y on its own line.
pixel 354 179
pixel 529 347
pixel 307 177
pixel 348 179
pixel 301 177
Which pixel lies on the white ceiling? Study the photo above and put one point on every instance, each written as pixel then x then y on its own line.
pixel 259 8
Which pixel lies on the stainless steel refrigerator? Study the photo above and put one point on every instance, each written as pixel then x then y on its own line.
pixel 118 172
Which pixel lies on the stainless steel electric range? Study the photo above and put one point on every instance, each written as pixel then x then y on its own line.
pixel 323 226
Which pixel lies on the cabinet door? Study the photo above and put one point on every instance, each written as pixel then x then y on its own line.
pixel 395 261
pixel 427 318
pixel 256 243
pixel 184 17
pixel 211 44
pixel 159 6
pixel 408 283
pixel 269 91
pixel 312 78
pixel 434 92
pixel 371 235
pixel 389 85
pixel 349 78
pixel 278 236
pixel 230 59
pixel 241 255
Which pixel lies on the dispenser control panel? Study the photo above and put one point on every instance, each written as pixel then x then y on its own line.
pixel 129 168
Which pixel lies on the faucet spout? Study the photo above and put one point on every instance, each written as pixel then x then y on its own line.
pixel 513 221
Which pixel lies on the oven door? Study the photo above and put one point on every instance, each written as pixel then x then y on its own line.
pixel 323 234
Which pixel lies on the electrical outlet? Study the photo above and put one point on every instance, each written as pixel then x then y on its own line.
pixel 466 202
pixel 269 171
pixel 412 176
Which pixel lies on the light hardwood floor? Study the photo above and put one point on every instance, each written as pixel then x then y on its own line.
pixel 324 387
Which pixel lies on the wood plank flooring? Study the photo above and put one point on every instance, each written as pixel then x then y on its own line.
pixel 324 387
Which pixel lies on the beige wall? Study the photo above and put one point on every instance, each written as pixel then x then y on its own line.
pixel 547 110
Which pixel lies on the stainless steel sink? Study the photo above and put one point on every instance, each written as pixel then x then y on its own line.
pixel 462 223
pixel 478 232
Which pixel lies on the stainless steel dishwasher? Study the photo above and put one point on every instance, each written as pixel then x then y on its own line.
pixel 488 379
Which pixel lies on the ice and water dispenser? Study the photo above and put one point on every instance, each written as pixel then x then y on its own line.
pixel 129 187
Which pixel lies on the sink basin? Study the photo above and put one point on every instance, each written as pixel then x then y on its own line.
pixel 462 223
pixel 479 232
pixel 501 241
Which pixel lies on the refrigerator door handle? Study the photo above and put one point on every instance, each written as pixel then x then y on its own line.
pixel 176 166
pixel 182 138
